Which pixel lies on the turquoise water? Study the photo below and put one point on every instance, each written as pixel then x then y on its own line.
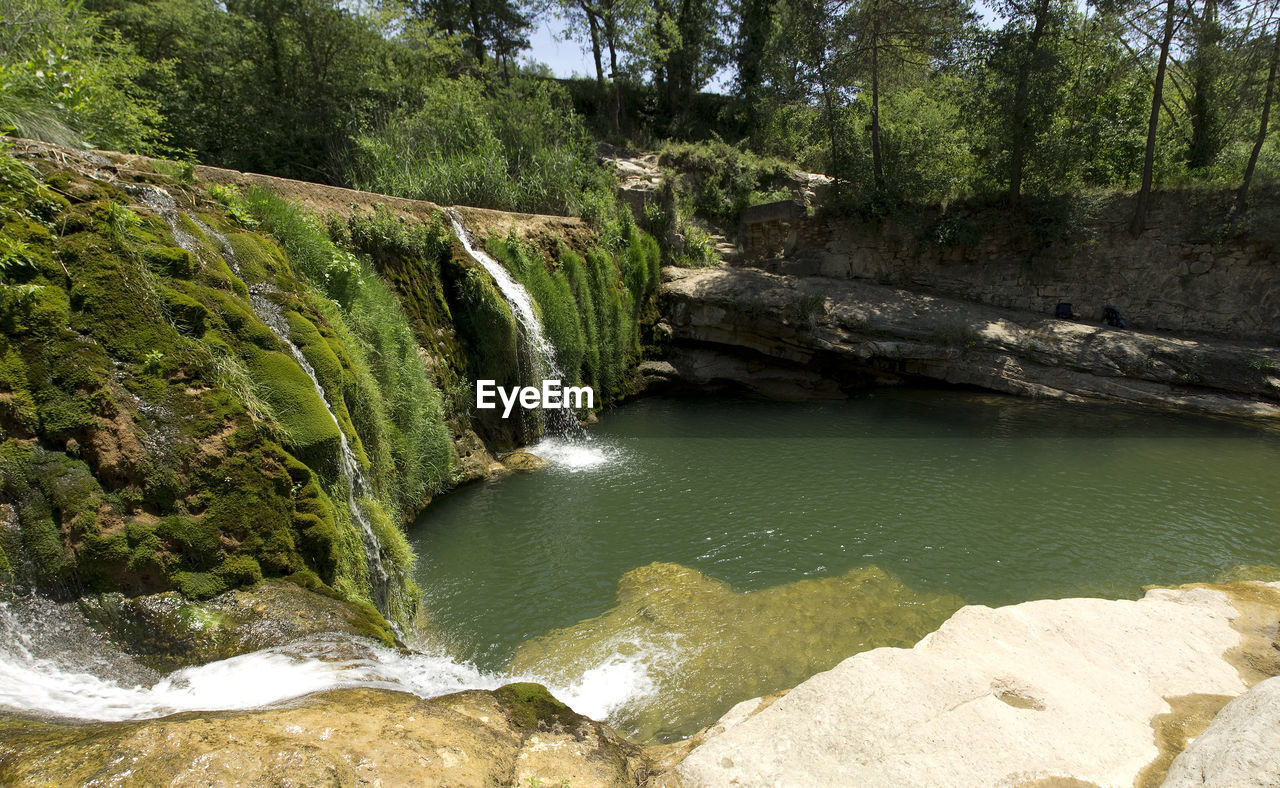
pixel 990 499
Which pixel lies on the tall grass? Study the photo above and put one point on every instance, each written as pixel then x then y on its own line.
pixel 515 148
pixel 395 407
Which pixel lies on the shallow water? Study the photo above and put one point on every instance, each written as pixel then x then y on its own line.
pixel 947 496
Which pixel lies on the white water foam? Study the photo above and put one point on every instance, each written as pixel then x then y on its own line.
pixel 65 685
pixel 575 455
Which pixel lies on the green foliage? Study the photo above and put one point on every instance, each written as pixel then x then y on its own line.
pixel 591 305
pixel 64 80
pixel 723 180
pixel 517 148
pixel 376 376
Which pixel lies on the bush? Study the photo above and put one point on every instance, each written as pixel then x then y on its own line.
pixel 515 148
pixel 65 81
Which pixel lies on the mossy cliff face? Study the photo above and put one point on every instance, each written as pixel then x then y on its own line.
pixel 157 430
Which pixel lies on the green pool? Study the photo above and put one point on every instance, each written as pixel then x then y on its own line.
pixel 698 552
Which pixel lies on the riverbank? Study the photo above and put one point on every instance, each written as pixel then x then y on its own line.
pixel 802 337
pixel 1061 692
pixel 1072 691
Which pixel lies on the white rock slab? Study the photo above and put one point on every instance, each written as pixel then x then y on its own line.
pixel 1239 749
pixel 995 697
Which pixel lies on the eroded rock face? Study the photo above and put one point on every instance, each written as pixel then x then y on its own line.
pixel 793 333
pixel 517 735
pixel 1073 689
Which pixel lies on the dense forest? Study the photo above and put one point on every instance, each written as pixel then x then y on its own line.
pixel 900 101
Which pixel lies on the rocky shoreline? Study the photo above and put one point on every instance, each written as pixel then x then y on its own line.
pixel 792 337
pixel 1079 692
pixel 1050 692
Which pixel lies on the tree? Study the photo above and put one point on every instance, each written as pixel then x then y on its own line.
pixel 683 46
pixel 1242 195
pixel 1027 75
pixel 65 80
pixel 1204 68
pixel 749 50
pixel 604 21
pixel 490 27
pixel 884 37
pixel 1157 91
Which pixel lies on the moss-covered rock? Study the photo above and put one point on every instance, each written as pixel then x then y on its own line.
pixel 308 427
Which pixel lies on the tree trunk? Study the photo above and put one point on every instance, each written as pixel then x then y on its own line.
pixel 877 164
pixel 1204 71
pixel 1021 98
pixel 1157 91
pixel 1242 197
pixel 616 114
pixel 477 41
pixel 594 25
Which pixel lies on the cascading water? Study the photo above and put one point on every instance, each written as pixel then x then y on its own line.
pixel 539 355
pixel 53 664
pixel 270 313
pixel 380 579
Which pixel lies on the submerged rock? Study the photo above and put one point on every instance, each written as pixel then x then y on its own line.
pixel 1086 690
pixel 689 646
pixel 515 736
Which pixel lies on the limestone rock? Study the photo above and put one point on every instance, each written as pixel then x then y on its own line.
pixel 764 326
pixel 1241 747
pixel 1052 689
pixel 517 735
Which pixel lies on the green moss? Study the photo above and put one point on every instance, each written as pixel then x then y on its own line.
pixel 258 258
pixel 41 314
pixel 170 261
pixel 198 585
pixel 240 570
pixel 293 399
pixel 187 314
pixel 101 558
pixel 319 352
pixel 252 508
pixel 195 541
pixel 230 312
pixel 532 707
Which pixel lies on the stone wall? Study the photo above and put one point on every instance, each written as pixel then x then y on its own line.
pixel 1180 275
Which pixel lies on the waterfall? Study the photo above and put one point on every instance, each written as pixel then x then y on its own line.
pixel 270 313
pixel 539 354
